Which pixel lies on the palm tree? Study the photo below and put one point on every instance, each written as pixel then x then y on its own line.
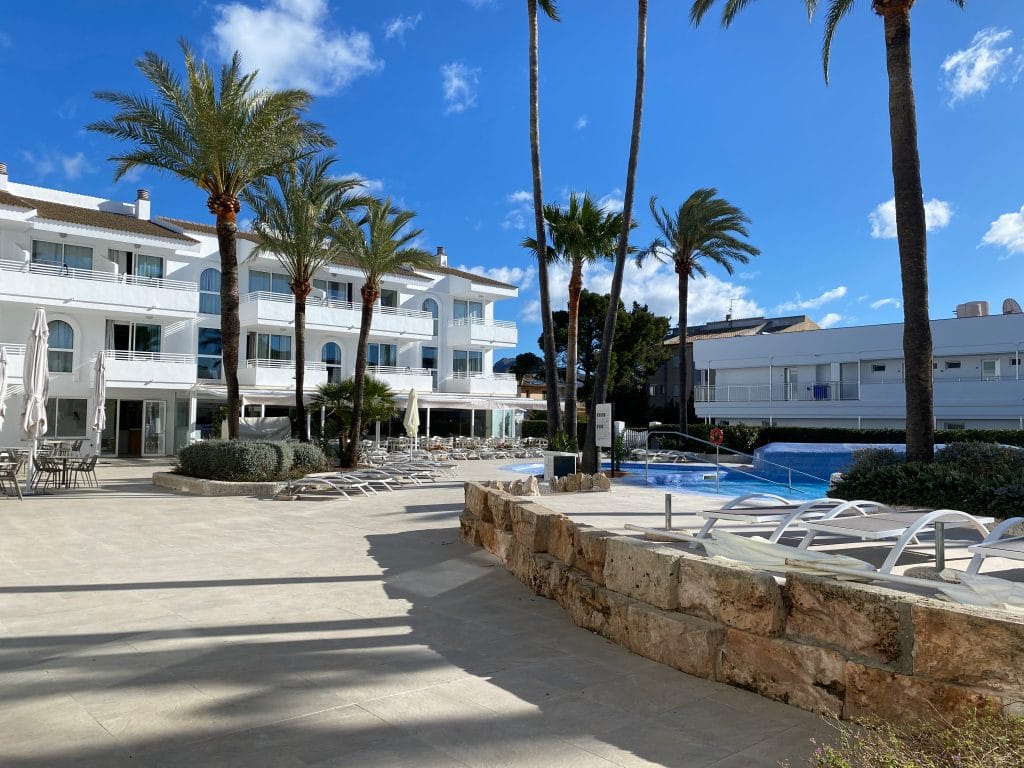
pixel 220 136
pixel 379 246
pixel 336 398
pixel 911 229
pixel 582 233
pixel 604 362
pixel 294 218
pixel 547 326
pixel 703 229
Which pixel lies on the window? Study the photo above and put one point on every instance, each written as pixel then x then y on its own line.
pixel 208 354
pixel 330 356
pixel 133 337
pixel 429 358
pixel 952 365
pixel 61 356
pixel 209 292
pixel 429 305
pixel 382 354
pixel 335 290
pixel 990 369
pixel 464 309
pixel 67 417
pixel 149 266
pixel 269 282
pixel 268 346
pixel 878 368
pixel 467 363
pixel 388 297
pixel 1014 361
pixel 67 257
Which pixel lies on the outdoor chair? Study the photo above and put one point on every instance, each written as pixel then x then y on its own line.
pixel 45 472
pixel 9 472
pixel 86 469
pixel 994 545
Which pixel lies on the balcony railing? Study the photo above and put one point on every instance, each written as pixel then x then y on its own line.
pixel 482 321
pixel 287 298
pixel 482 375
pixel 13 349
pixel 260 362
pixel 392 370
pixel 56 270
pixel 753 393
pixel 125 355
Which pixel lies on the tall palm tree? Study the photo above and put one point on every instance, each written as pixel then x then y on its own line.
pixel 294 217
pixel 911 229
pixel 581 234
pixel 336 398
pixel 220 135
pixel 705 228
pixel 604 362
pixel 547 326
pixel 379 244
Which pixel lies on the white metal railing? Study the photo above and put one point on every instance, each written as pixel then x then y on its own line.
pixel 482 321
pixel 752 393
pixel 13 349
pixel 397 369
pixel 481 375
pixel 128 355
pixel 287 298
pixel 57 270
pixel 261 362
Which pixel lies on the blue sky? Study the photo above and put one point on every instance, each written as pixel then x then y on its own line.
pixel 427 100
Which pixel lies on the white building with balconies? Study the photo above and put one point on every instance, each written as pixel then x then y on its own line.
pixel 143 291
pixel 853 377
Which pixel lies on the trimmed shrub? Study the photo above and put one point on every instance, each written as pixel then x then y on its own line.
pixel 235 461
pixel 284 453
pixel 869 459
pixel 307 457
pixel 985 459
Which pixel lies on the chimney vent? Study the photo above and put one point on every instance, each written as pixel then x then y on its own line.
pixel 3 176
pixel 442 257
pixel 142 205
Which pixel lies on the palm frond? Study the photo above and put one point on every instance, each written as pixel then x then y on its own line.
pixel 836 11
pixel 550 9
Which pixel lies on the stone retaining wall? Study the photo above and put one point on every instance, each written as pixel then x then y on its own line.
pixel 813 642
pixel 200 487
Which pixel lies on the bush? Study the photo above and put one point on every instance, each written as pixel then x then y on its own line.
pixel 307 458
pixel 984 459
pixel 236 461
pixel 979 741
pixel 870 459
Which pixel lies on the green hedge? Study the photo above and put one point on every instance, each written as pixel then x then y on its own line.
pixel 539 428
pixel 249 461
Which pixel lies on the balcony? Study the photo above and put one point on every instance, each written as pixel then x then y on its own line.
pixel 54 285
pixel 150 370
pixel 15 367
pixel 278 309
pixel 403 379
pixel 482 332
pixel 481 383
pixel 755 393
pixel 280 374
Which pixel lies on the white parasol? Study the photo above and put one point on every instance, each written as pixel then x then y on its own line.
pixel 36 380
pixel 412 415
pixel 99 415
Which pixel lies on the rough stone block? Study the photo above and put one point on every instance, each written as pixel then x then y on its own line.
pixel 595 608
pixel 862 621
pixel 504 541
pixel 972 647
pixel 684 642
pixel 498 503
pixel 590 551
pixel 804 676
pixel 586 482
pixel 468 529
pixel 740 597
pixel 530 525
pixel 642 571
pixel 476 499
pixel 488 536
pixel 533 570
pixel 602 482
pixel 572 484
pixel 562 539
pixel 873 692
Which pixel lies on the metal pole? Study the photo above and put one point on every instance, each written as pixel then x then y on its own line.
pixel 668 511
pixel 718 473
pixel 791 481
pixel 940 545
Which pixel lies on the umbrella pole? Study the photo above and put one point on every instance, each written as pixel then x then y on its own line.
pixel 30 471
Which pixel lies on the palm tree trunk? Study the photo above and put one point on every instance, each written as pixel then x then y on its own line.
pixel 911 235
pixel 226 208
pixel 350 457
pixel 301 293
pixel 684 368
pixel 547 324
pixel 572 348
pixel 608 336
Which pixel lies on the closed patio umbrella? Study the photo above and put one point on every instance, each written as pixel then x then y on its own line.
pixel 99 415
pixel 412 415
pixel 3 385
pixel 36 380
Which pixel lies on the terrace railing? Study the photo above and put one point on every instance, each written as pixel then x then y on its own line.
pixel 58 270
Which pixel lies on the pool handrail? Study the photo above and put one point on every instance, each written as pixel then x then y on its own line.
pixel 718 467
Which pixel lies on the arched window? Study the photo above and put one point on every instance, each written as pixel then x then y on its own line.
pixel 62 347
pixel 429 305
pixel 209 292
pixel 331 357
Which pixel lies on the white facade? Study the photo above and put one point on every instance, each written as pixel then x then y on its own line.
pixel 854 376
pixel 143 291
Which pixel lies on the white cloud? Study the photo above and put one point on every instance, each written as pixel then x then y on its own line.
pixel 1007 231
pixel 937 215
pixel 480 3
pixel 612 202
pixel 530 312
pixel 520 197
pixel 831 319
pixel 47 161
pixel 399 25
pixel 974 69
pixel 75 165
pixel 888 302
pixel 748 275
pixel 518 276
pixel 289 42
pixel 369 186
pixel 522 211
pixel 459 83
pixel 824 298
pixel 582 122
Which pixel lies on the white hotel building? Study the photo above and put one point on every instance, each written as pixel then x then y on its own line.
pixel 143 291
pixel 853 377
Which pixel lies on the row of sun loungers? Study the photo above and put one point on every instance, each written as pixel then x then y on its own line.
pixel 379 472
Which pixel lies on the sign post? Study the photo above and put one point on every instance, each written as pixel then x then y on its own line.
pixel 603 419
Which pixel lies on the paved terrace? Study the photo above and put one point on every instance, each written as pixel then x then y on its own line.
pixel 143 628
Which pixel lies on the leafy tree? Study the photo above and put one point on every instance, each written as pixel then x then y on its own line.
pixel 621 251
pixel 705 228
pixel 220 136
pixel 379 244
pixel 337 398
pixel 527 364
pixel 294 217
pixel 911 229
pixel 550 368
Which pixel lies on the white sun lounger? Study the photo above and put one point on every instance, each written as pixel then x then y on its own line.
pixel 330 483
pixel 994 545
pixel 761 508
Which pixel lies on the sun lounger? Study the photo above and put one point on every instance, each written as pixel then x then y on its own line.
pixel 902 526
pixel 994 545
pixel 761 508
pixel 330 483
